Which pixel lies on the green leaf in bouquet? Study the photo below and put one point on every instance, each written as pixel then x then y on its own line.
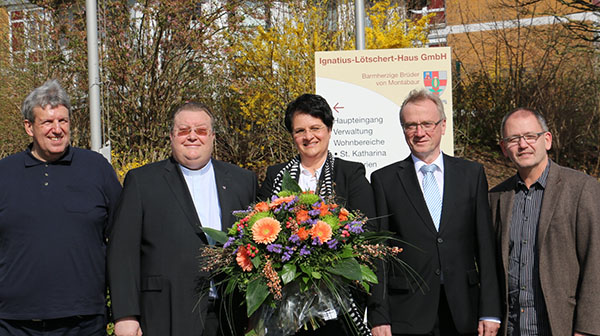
pixel 349 268
pixel 366 286
pixel 378 237
pixel 231 284
pixel 288 273
pixel 306 269
pixel 256 294
pixel 368 275
pixel 216 235
pixel 256 261
pixel 346 252
pixel 289 184
pixel 316 275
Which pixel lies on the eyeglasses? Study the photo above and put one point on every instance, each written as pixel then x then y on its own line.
pixel 185 131
pixel 426 126
pixel 530 138
pixel 313 130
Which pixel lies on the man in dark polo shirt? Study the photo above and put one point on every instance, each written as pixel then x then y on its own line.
pixel 55 202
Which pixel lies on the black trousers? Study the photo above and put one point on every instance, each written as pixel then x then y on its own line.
pixel 444 325
pixel 83 325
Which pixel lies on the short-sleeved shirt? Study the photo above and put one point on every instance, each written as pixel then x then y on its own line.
pixel 54 218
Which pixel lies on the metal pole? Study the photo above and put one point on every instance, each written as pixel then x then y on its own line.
pixel 93 75
pixel 359 6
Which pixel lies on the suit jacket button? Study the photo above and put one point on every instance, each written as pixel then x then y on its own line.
pixel 440 240
pixel 437 271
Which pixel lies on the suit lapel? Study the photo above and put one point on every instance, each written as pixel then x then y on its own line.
pixel 181 194
pixel 549 201
pixel 223 181
pixel 506 209
pixel 410 183
pixel 452 184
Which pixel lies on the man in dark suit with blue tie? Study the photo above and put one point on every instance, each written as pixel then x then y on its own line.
pixel 437 206
pixel 153 264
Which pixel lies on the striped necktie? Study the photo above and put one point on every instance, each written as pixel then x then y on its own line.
pixel 432 194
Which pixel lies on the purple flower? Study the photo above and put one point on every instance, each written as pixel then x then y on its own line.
pixel 237 212
pixel 356 227
pixel 316 241
pixel 276 248
pixel 305 250
pixel 314 212
pixel 332 244
pixel 287 254
pixel 311 221
pixel 294 239
pixel 229 242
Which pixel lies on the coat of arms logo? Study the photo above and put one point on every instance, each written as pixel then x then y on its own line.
pixel 435 81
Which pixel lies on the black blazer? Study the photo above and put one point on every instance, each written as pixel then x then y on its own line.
pixel 463 250
pixel 352 189
pixel 153 250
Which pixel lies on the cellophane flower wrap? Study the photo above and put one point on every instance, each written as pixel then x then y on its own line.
pixel 296 258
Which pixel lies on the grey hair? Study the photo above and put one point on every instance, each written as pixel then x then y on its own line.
pixel 418 95
pixel 50 93
pixel 535 113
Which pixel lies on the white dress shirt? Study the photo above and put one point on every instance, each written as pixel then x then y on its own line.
pixel 203 188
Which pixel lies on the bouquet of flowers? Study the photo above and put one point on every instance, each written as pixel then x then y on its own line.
pixel 295 259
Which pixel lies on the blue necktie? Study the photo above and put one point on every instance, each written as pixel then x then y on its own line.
pixel 432 194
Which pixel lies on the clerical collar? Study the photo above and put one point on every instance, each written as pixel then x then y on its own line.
pixel 196 172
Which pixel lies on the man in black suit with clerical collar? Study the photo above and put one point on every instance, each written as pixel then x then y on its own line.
pixel 153 251
pixel 437 206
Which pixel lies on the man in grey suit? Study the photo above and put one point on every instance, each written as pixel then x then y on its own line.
pixel 547 222
pixel 153 251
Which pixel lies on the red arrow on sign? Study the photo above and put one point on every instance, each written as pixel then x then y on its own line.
pixel 336 107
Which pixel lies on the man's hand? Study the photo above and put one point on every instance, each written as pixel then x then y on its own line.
pixel 382 330
pixel 488 328
pixel 128 326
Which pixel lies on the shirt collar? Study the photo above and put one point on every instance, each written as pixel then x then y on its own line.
pixel 541 181
pixel 198 172
pixel 306 172
pixel 439 162
pixel 31 160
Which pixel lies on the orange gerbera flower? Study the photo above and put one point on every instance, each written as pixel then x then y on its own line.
pixel 321 230
pixel 302 233
pixel 280 200
pixel 265 230
pixel 243 259
pixel 324 208
pixel 343 215
pixel 261 207
pixel 302 215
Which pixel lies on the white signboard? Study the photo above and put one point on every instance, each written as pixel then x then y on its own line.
pixel 365 89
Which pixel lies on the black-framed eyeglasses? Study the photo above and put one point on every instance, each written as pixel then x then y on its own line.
pixel 530 138
pixel 427 126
